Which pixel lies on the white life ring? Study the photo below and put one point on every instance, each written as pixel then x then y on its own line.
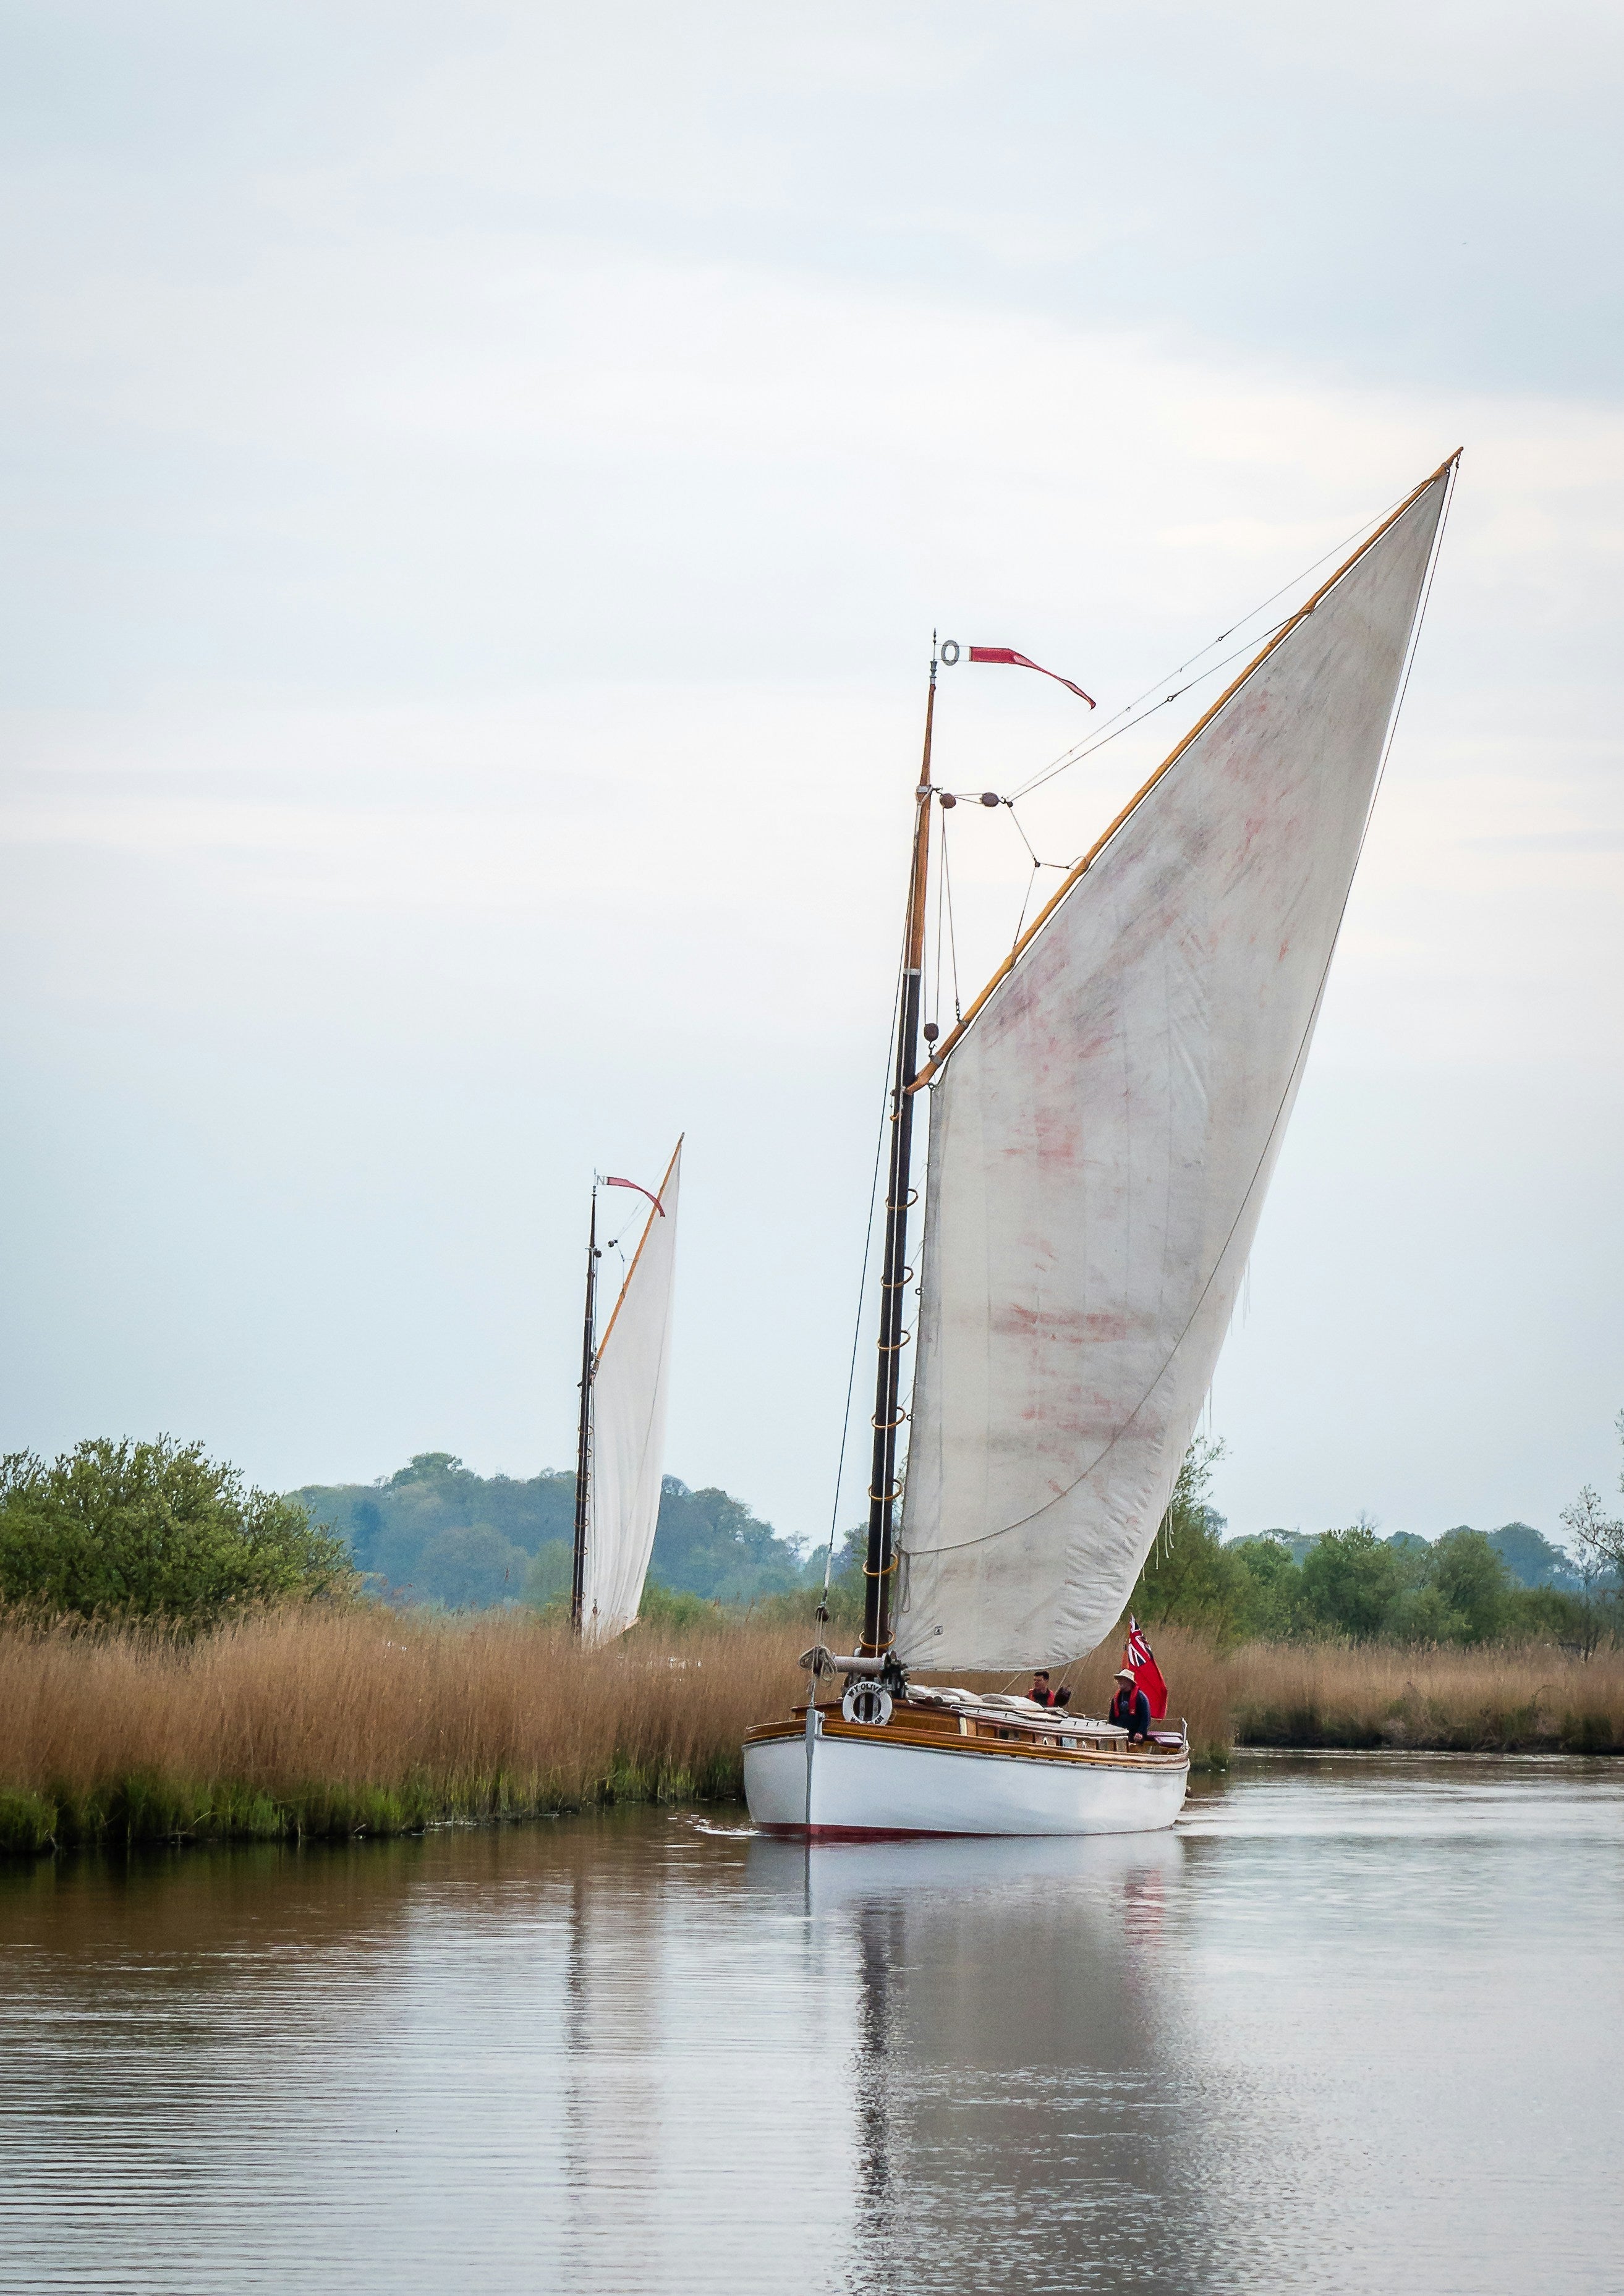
pixel 868 1704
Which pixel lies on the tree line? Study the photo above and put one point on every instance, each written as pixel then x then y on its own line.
pixel 1467 1587
pixel 159 1528
pixel 436 1533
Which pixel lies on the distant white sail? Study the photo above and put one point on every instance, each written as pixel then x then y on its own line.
pixel 1103 1135
pixel 628 1426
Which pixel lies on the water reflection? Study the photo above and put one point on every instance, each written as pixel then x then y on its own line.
pixel 1355 2024
pixel 1012 2098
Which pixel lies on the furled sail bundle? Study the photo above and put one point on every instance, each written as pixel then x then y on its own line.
pixel 632 1371
pixel 1104 1130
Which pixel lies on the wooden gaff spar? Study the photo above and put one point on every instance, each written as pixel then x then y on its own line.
pixel 620 1447
pixel 1103 1124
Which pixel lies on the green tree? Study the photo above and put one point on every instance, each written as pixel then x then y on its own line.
pixel 548 1581
pixel 1351 1580
pixel 1421 1613
pixel 1272 1602
pixel 470 1567
pixel 1598 1536
pixel 1189 1575
pixel 711 1545
pixel 1578 1623
pixel 1473 1584
pixel 155 1528
pixel 1531 1558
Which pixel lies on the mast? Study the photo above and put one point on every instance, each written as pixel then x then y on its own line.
pixel 583 1453
pixel 881 1561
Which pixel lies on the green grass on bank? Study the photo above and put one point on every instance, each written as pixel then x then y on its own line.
pixel 145 1810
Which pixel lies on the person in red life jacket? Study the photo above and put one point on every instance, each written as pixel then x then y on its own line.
pixel 1039 1692
pixel 1130 1708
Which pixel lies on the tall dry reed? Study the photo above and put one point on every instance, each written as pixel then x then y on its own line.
pixel 338 1719
pixel 1535 1698
pixel 325 1720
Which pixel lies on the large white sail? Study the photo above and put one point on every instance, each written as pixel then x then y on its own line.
pixel 628 1426
pixel 1103 1135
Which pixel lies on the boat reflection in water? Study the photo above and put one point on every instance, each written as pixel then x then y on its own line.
pixel 1016 2092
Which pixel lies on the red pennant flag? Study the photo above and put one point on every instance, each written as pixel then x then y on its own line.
pixel 1147 1674
pixel 1020 662
pixel 610 1182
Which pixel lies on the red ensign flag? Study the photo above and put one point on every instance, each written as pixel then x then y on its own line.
pixel 1147 1674
pixel 1020 662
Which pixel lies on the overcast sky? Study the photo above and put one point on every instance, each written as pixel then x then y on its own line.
pixel 480 483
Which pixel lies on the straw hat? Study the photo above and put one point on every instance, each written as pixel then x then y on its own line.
pixel 1125 1674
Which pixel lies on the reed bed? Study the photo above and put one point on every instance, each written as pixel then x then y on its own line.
pixel 331 1720
pixel 1496 1698
pixel 323 1721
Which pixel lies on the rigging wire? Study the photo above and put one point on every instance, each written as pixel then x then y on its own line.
pixel 1111 731
pixel 1101 737
pixel 1009 803
pixel 1102 740
pixel 947 896
pixel 933 1005
pixel 1031 883
pixel 856 1329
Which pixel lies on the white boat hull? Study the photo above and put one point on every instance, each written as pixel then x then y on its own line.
pixel 853 1786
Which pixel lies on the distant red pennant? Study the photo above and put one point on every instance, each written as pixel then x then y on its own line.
pixel 1019 661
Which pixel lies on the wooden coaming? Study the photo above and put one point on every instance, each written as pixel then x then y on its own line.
pixel 939 1731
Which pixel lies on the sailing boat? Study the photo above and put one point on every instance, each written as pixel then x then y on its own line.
pixel 620 1454
pixel 1103 1124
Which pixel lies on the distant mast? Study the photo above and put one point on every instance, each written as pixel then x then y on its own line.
pixel 583 1449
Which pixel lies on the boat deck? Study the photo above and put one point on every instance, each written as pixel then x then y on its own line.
pixel 1039 1734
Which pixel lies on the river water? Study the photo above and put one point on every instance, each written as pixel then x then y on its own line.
pixel 1354 2025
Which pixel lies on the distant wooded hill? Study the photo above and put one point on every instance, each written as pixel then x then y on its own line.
pixel 436 1532
pixel 1526 1553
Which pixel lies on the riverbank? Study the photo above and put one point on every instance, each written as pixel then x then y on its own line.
pixel 320 1721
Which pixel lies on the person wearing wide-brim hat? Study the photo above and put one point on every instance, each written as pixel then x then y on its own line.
pixel 1130 1708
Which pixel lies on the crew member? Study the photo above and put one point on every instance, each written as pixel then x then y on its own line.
pixel 1130 1708
pixel 1039 1692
